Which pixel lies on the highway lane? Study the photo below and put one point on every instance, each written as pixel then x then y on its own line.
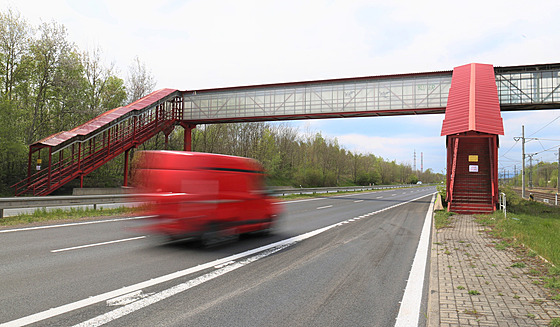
pixel 32 275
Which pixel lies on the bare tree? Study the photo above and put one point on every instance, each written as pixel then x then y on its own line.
pixel 96 75
pixel 140 82
pixel 47 51
pixel 14 36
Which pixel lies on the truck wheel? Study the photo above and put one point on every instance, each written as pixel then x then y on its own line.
pixel 211 236
pixel 215 235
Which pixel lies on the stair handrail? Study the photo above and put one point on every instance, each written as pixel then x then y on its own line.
pixel 453 169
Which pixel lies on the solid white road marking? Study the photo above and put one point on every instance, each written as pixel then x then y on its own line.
pixel 98 244
pixel 72 224
pixel 223 264
pixel 40 316
pixel 127 298
pixel 409 312
pixel 137 305
pixel 325 207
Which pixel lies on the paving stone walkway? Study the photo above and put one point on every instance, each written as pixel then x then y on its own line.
pixel 473 283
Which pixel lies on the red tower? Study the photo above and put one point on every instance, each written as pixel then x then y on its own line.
pixel 472 124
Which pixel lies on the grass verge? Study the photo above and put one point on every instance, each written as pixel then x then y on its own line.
pixel 530 223
pixel 443 218
pixel 44 215
pixel 530 227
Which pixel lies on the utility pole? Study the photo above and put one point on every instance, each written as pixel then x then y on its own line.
pixel 523 140
pixel 530 169
pixel 523 165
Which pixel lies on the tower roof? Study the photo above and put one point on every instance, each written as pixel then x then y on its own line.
pixel 473 103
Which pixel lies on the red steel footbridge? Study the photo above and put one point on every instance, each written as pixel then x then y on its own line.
pixel 73 154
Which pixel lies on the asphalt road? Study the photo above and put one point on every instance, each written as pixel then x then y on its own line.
pixel 337 261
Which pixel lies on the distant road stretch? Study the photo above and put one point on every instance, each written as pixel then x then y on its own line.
pixel 336 261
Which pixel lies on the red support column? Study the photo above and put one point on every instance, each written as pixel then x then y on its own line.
pixel 126 167
pixel 60 164
pixel 29 164
pixel 49 173
pixel 168 132
pixel 108 141
pixel 134 123
pixel 187 145
pixel 80 156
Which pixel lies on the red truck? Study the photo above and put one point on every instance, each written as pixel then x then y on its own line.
pixel 204 196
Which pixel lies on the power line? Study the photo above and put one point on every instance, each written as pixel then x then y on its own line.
pixel 516 141
pixel 549 149
pixel 552 121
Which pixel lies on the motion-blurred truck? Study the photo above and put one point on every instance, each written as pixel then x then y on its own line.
pixel 210 197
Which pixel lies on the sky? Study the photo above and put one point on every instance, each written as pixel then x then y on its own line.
pixel 198 44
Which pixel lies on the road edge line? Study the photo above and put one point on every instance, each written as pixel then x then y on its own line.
pixel 409 312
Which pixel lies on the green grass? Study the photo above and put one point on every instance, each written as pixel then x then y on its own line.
pixel 531 223
pixel 552 282
pixel 43 215
pixel 443 219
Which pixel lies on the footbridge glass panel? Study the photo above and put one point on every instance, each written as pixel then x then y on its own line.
pixel 528 88
pixel 342 98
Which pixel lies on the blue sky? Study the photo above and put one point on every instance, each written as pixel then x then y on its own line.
pixel 199 44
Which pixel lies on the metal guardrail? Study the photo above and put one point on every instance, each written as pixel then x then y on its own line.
pixel 314 190
pixel 80 200
pixel 65 200
pixel 536 195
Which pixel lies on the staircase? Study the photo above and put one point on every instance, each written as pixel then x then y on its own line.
pixel 472 191
pixel 76 153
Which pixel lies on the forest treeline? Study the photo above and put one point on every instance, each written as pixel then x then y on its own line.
pixel 48 85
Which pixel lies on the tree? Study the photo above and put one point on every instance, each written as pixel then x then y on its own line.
pixel 140 82
pixel 67 107
pixel 14 36
pixel 104 91
pixel 46 55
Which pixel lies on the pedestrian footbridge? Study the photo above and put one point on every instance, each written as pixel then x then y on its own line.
pixel 60 158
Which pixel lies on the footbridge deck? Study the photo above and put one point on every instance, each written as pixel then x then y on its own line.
pixel 74 154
